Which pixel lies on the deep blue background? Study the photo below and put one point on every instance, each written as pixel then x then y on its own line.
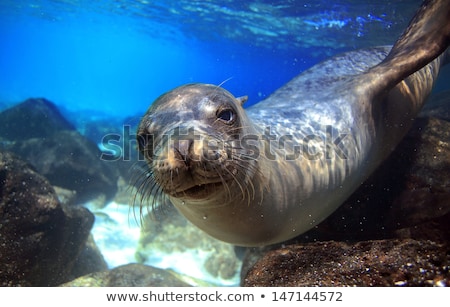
pixel 106 65
pixel 114 58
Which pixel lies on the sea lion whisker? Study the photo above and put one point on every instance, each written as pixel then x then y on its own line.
pixel 143 190
pixel 223 82
pixel 218 88
pixel 159 202
pixel 250 187
pixel 238 130
pixel 146 191
pixel 141 185
pixel 224 183
pixel 141 182
pixel 152 190
pixel 253 169
pixel 235 179
pixel 156 198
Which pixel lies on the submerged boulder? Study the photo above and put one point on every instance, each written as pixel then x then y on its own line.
pixel 69 160
pixel 130 275
pixel 33 118
pixel 89 260
pixel 38 133
pixel 40 240
pixel 367 263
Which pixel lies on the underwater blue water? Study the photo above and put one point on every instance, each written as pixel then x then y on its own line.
pixel 109 59
pixel 115 57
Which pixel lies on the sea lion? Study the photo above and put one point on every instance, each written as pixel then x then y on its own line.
pixel 270 172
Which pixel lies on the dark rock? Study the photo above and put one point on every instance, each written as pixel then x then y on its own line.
pixel 36 131
pixel 368 263
pixel 130 275
pixel 118 140
pixel 252 255
pixel 34 118
pixel 69 160
pixel 39 239
pixel 115 136
pixel 89 260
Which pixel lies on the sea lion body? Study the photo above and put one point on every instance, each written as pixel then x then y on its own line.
pixel 268 173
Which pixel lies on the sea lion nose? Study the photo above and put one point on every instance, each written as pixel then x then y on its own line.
pixel 182 149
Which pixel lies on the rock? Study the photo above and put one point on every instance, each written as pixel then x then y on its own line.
pixel 37 132
pixel 34 118
pixel 69 160
pixel 130 275
pixel 89 260
pixel 116 137
pixel 368 263
pixel 252 255
pixel 39 239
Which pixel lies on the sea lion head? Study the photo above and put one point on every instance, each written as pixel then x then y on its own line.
pixel 191 140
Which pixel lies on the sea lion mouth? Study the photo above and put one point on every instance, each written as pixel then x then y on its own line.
pixel 200 190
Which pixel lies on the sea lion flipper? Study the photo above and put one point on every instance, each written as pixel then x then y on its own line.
pixel 427 36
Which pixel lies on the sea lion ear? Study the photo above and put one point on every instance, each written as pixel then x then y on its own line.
pixel 242 99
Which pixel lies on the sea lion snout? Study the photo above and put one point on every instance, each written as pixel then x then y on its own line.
pixel 181 152
pixel 186 164
pixel 192 149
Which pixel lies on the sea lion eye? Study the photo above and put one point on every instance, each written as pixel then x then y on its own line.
pixel 227 115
